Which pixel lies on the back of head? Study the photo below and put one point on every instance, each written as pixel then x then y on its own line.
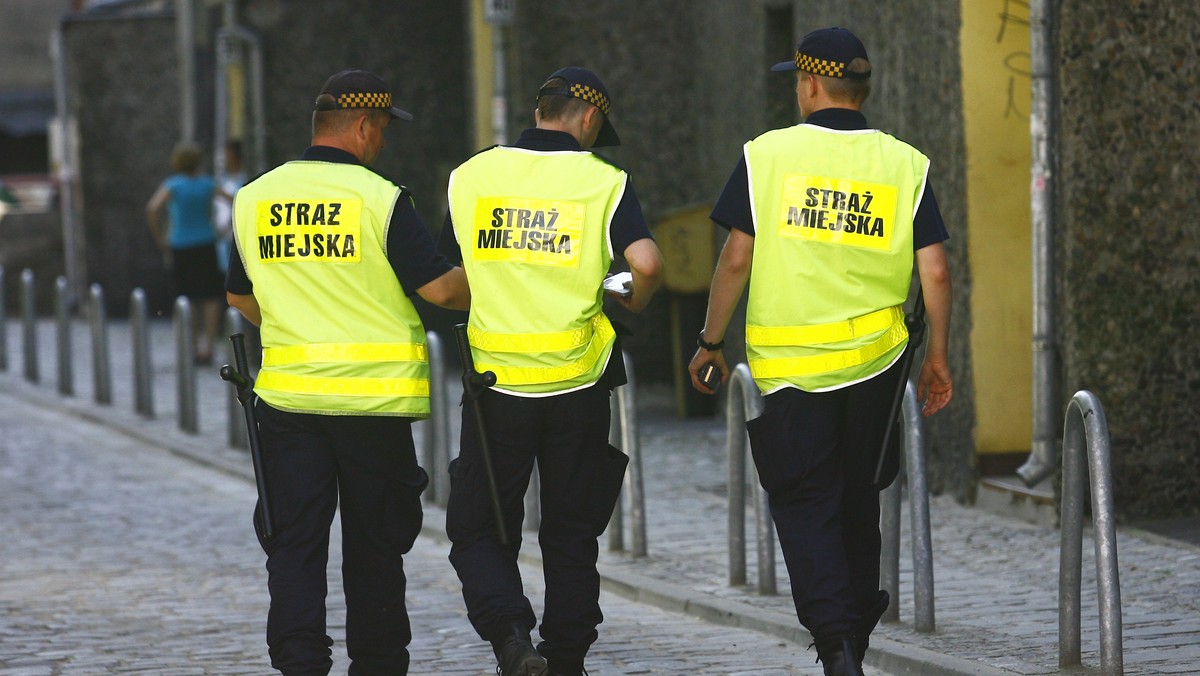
pixel 186 158
pixel 838 59
pixel 552 108
pixel 569 92
pixel 346 95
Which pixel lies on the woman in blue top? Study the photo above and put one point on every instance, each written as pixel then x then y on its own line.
pixel 189 243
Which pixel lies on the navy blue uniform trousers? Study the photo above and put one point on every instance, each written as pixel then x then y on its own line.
pixel 567 435
pixel 816 454
pixel 369 463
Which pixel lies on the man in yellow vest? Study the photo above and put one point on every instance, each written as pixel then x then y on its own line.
pixel 328 254
pixel 830 213
pixel 536 225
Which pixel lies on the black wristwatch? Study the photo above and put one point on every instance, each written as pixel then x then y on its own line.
pixel 711 347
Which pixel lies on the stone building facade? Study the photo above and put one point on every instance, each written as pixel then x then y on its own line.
pixel 690 85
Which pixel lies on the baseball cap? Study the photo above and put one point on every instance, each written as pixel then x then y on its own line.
pixel 357 89
pixel 827 52
pixel 583 84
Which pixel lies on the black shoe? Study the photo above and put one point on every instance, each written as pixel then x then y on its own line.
pixel 840 659
pixel 517 656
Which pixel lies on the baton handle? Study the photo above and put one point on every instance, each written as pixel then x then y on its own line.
pixel 915 323
pixel 240 378
pixel 474 384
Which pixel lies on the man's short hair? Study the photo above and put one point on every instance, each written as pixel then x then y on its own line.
pixel 850 90
pixel 559 107
pixel 333 122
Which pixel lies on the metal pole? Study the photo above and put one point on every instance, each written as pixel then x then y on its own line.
pixel 101 360
pixel 185 377
pixel 29 316
pixel 1086 425
pixel 735 446
pixel 185 51
pixel 533 501
pixel 439 392
pixel 3 325
pixel 62 317
pixel 745 403
pixel 918 506
pixel 499 13
pixel 74 246
pixel 1041 462
pixel 616 522
pixel 631 443
pixel 765 530
pixel 235 414
pixel 143 384
pixel 889 557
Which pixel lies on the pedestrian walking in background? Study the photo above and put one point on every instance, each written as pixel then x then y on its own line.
pixel 825 219
pixel 230 181
pixel 330 253
pixel 536 225
pixel 188 243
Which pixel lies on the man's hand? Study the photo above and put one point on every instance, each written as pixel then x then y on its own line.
pixel 934 386
pixel 702 358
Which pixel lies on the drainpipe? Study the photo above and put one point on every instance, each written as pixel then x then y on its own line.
pixel 499 13
pixel 185 38
pixel 74 260
pixel 1042 459
pixel 232 42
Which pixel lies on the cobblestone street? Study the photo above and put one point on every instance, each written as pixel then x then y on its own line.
pixel 116 557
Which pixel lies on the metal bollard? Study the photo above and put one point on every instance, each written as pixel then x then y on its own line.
pixel 889 551
pixel 235 414
pixel 918 502
pixel 29 316
pixel 918 506
pixel 3 325
pixel 101 359
pixel 185 376
pixel 62 317
pixel 616 522
pixel 631 444
pixel 533 501
pixel 143 384
pixel 745 403
pixel 1087 427
pixel 623 432
pixel 437 430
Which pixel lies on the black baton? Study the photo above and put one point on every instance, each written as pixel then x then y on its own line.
pixel 474 385
pixel 915 322
pixel 245 393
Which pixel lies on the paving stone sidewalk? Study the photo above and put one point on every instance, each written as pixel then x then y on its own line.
pixel 995 577
pixel 118 558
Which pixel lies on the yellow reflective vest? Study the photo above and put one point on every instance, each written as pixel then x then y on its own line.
pixel 833 254
pixel 339 335
pixel 533 229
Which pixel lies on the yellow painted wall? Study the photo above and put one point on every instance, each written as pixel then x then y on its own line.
pixel 481 75
pixel 996 96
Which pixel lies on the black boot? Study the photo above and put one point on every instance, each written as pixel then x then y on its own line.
pixel 839 659
pixel 867 624
pixel 516 655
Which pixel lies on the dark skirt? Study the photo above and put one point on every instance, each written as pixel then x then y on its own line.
pixel 196 273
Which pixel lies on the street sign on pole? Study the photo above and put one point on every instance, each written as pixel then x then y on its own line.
pixel 499 12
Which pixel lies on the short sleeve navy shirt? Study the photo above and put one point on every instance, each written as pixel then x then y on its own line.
pixel 628 223
pixel 732 210
pixel 410 248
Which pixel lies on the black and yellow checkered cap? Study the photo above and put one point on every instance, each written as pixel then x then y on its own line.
pixel 357 89
pixel 584 84
pixel 827 52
